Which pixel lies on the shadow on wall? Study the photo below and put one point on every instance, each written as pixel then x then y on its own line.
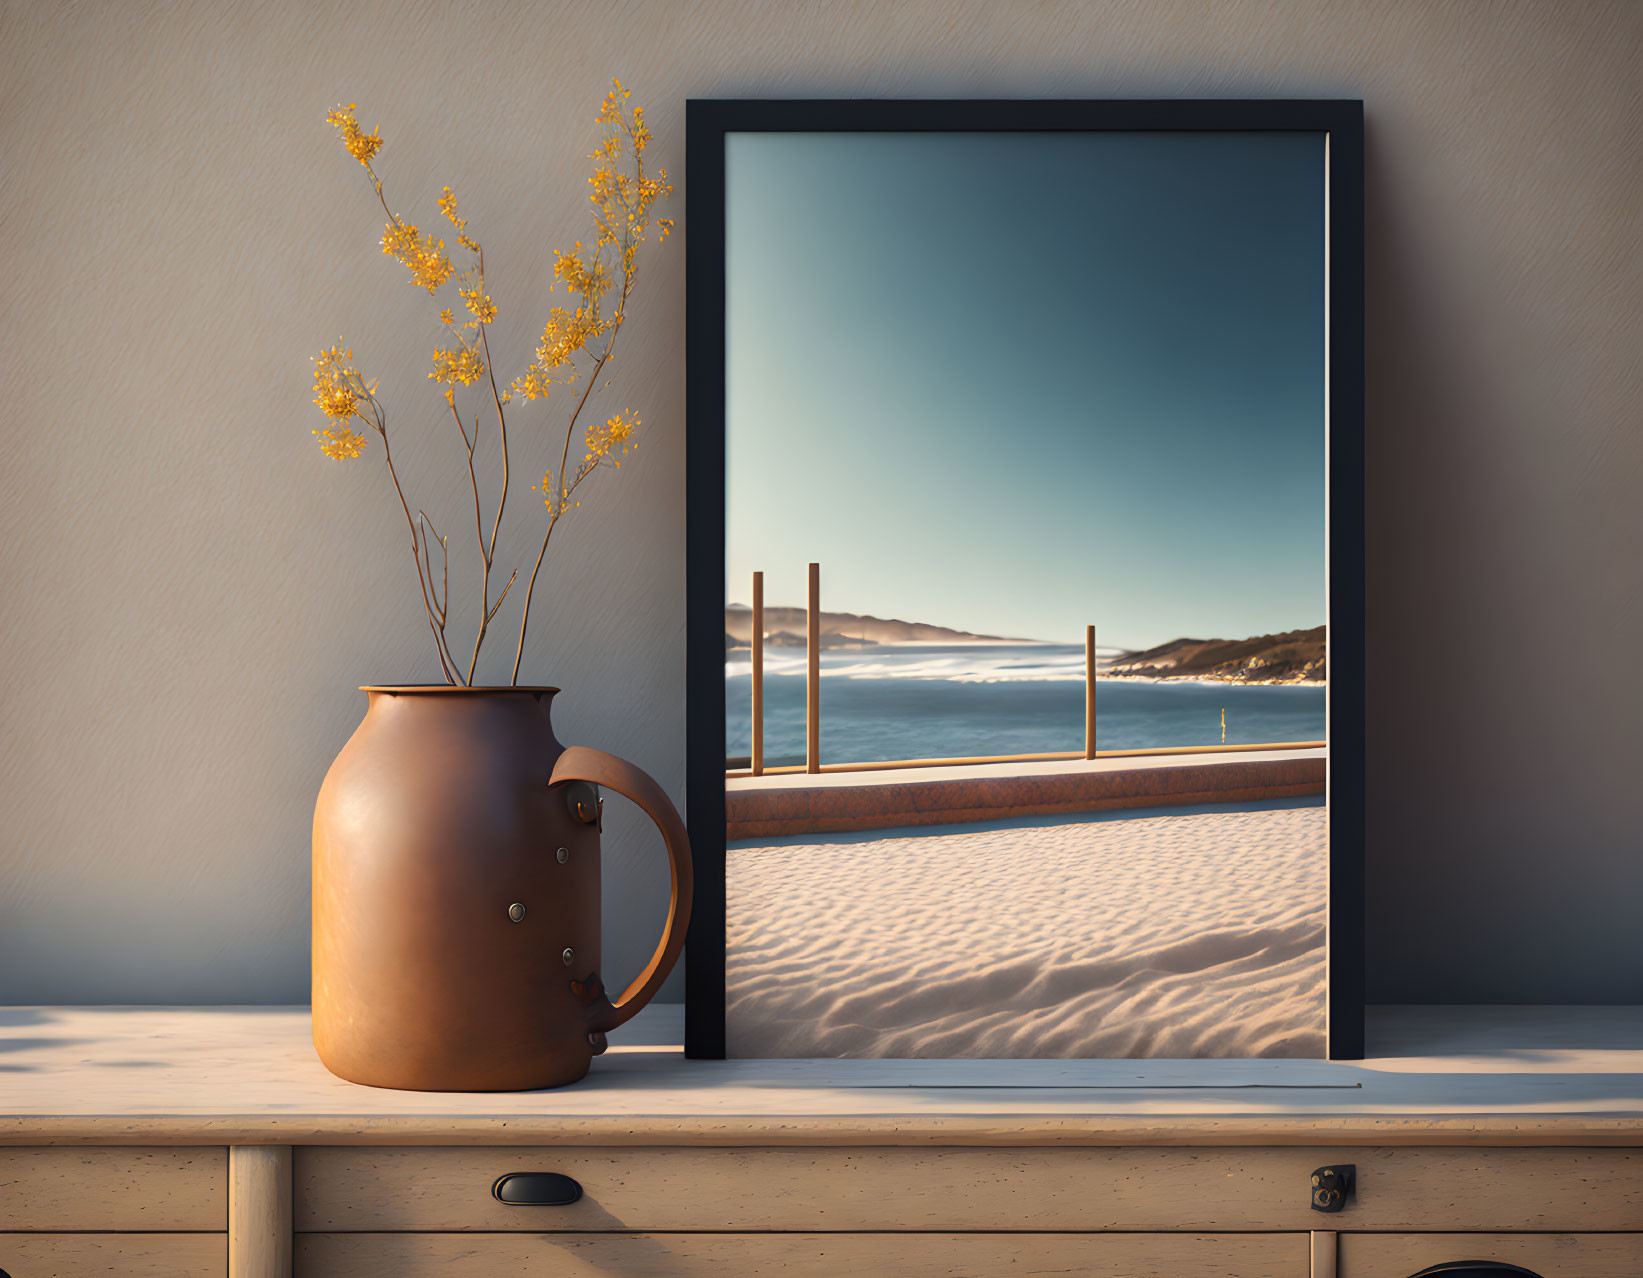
pixel 1455 622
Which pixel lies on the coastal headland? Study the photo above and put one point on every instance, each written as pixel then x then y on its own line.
pixel 1286 657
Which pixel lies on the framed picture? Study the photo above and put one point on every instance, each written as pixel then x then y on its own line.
pixel 1025 554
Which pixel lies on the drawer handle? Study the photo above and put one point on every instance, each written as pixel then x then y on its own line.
pixel 1332 1186
pixel 536 1189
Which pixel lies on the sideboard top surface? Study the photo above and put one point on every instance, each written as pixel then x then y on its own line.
pixel 1500 1076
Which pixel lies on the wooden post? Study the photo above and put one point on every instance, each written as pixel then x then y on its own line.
pixel 756 762
pixel 812 676
pixel 1089 692
pixel 259 1211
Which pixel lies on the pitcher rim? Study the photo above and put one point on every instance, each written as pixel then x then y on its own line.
pixel 427 688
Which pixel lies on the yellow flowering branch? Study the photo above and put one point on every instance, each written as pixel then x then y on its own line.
pixel 465 366
pixel 339 390
pixel 622 203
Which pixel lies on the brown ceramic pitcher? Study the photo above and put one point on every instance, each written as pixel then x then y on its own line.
pixel 456 895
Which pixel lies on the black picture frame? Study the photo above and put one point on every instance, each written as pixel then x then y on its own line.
pixel 707 123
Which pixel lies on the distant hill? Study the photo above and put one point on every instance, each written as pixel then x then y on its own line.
pixel 1295 656
pixel 785 627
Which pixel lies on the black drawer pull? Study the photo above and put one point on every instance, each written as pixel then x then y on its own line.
pixel 536 1189
pixel 1332 1186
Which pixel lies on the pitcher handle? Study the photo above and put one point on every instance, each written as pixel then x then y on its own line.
pixel 580 763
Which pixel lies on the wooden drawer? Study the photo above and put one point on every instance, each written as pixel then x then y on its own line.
pixel 128 1255
pixel 1550 1255
pixel 114 1189
pixel 341 1189
pixel 799 1255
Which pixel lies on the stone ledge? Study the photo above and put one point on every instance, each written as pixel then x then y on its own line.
pixel 769 807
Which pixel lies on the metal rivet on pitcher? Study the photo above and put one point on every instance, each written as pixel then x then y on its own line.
pixel 516 912
pixel 569 956
pixel 562 855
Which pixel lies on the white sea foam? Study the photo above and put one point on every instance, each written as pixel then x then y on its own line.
pixel 969 666
pixel 970 663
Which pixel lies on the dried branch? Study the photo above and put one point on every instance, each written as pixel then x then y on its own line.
pixel 445 568
pixel 422 578
pixel 564 457
pixel 622 200
pixel 504 593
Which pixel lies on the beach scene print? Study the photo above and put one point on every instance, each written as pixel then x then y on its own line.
pixel 1026 655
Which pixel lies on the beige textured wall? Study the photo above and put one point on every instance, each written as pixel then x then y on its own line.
pixel 190 593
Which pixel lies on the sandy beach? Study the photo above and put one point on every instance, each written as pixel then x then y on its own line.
pixel 1184 932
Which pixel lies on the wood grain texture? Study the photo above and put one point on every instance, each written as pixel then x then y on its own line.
pixel 113 1189
pixel 250 1076
pixel 1179 1132
pixel 127 1255
pixel 259 1211
pixel 1550 1255
pixel 997 1189
pixel 800 1255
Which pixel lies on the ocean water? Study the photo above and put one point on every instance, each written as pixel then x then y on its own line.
pixel 925 701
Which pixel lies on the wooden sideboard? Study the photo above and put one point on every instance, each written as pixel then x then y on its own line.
pixel 193 1141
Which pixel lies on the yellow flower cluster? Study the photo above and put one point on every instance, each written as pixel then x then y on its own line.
pixel 471 282
pixel 565 333
pixel 622 196
pixel 341 442
pixel 589 279
pixel 361 145
pixel 623 200
pixel 558 495
pixel 480 306
pixel 459 366
pixel 610 110
pixel 447 206
pixel 334 399
pixel 423 255
pixel 338 389
pixel 612 441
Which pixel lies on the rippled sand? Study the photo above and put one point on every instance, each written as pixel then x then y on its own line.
pixel 1185 932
